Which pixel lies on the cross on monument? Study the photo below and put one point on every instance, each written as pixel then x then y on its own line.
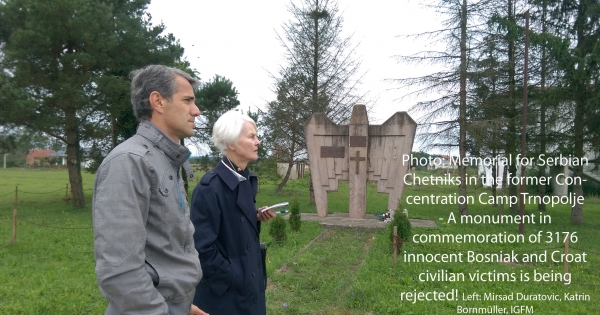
pixel 381 147
pixel 357 159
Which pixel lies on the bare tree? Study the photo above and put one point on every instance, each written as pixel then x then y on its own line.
pixel 285 120
pixel 321 74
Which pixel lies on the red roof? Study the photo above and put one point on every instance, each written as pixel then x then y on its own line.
pixel 39 153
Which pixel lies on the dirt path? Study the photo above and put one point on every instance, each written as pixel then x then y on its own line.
pixel 325 233
pixel 370 222
pixel 323 271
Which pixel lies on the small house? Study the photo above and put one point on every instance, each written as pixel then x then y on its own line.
pixel 37 157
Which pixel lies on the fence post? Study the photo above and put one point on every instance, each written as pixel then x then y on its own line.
pixel 14 239
pixel 14 223
pixel 395 242
pixel 565 261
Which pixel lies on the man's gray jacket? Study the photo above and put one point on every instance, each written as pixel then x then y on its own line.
pixel 146 262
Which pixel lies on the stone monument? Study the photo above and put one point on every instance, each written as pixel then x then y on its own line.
pixel 358 152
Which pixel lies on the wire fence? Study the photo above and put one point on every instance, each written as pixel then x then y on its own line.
pixel 488 251
pixel 65 198
pixel 55 227
pixel 21 191
pixel 40 193
pixel 585 250
pixel 56 197
pixel 6 194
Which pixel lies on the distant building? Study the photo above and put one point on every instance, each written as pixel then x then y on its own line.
pixel 298 170
pixel 60 154
pixel 56 159
pixel 37 157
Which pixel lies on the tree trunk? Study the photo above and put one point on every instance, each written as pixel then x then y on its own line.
pixel 511 146
pixel 494 180
pixel 503 190
pixel 315 86
pixel 285 178
pixel 73 165
pixel 577 209
pixel 542 150
pixel 580 87
pixel 462 120
pixel 315 65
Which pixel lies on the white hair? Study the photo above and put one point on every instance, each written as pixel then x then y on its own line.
pixel 228 128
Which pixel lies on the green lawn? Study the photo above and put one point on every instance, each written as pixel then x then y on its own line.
pixel 317 271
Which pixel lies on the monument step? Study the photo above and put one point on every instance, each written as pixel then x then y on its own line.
pixel 370 222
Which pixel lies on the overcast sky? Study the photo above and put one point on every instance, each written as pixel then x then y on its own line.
pixel 238 40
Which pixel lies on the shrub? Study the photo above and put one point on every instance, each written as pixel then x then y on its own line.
pixel 277 230
pixel 404 228
pixel 295 221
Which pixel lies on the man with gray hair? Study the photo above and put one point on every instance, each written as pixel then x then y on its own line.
pixel 146 262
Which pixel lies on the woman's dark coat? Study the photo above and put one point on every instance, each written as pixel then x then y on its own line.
pixel 227 240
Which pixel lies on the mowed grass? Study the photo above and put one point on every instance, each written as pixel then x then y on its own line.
pixel 317 271
pixel 51 269
pixel 337 201
pixel 380 283
pixel 318 280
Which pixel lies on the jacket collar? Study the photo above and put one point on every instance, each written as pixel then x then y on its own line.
pixel 228 177
pixel 176 152
pixel 249 210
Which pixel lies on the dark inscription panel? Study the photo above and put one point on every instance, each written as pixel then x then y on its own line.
pixel 333 152
pixel 358 141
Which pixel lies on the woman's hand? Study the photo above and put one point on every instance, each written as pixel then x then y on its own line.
pixel 265 216
pixel 196 311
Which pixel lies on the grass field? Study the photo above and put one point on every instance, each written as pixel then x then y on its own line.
pixel 317 271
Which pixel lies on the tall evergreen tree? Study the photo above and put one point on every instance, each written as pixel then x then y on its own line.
pixel 66 63
pixel 214 98
pixel 285 119
pixel 579 58
pixel 445 120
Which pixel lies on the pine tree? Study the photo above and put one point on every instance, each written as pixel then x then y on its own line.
pixel 277 230
pixel 295 220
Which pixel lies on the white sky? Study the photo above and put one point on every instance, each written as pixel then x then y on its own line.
pixel 237 40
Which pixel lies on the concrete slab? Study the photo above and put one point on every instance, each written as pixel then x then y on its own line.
pixel 370 222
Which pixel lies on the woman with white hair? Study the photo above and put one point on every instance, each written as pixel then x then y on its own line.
pixel 227 224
